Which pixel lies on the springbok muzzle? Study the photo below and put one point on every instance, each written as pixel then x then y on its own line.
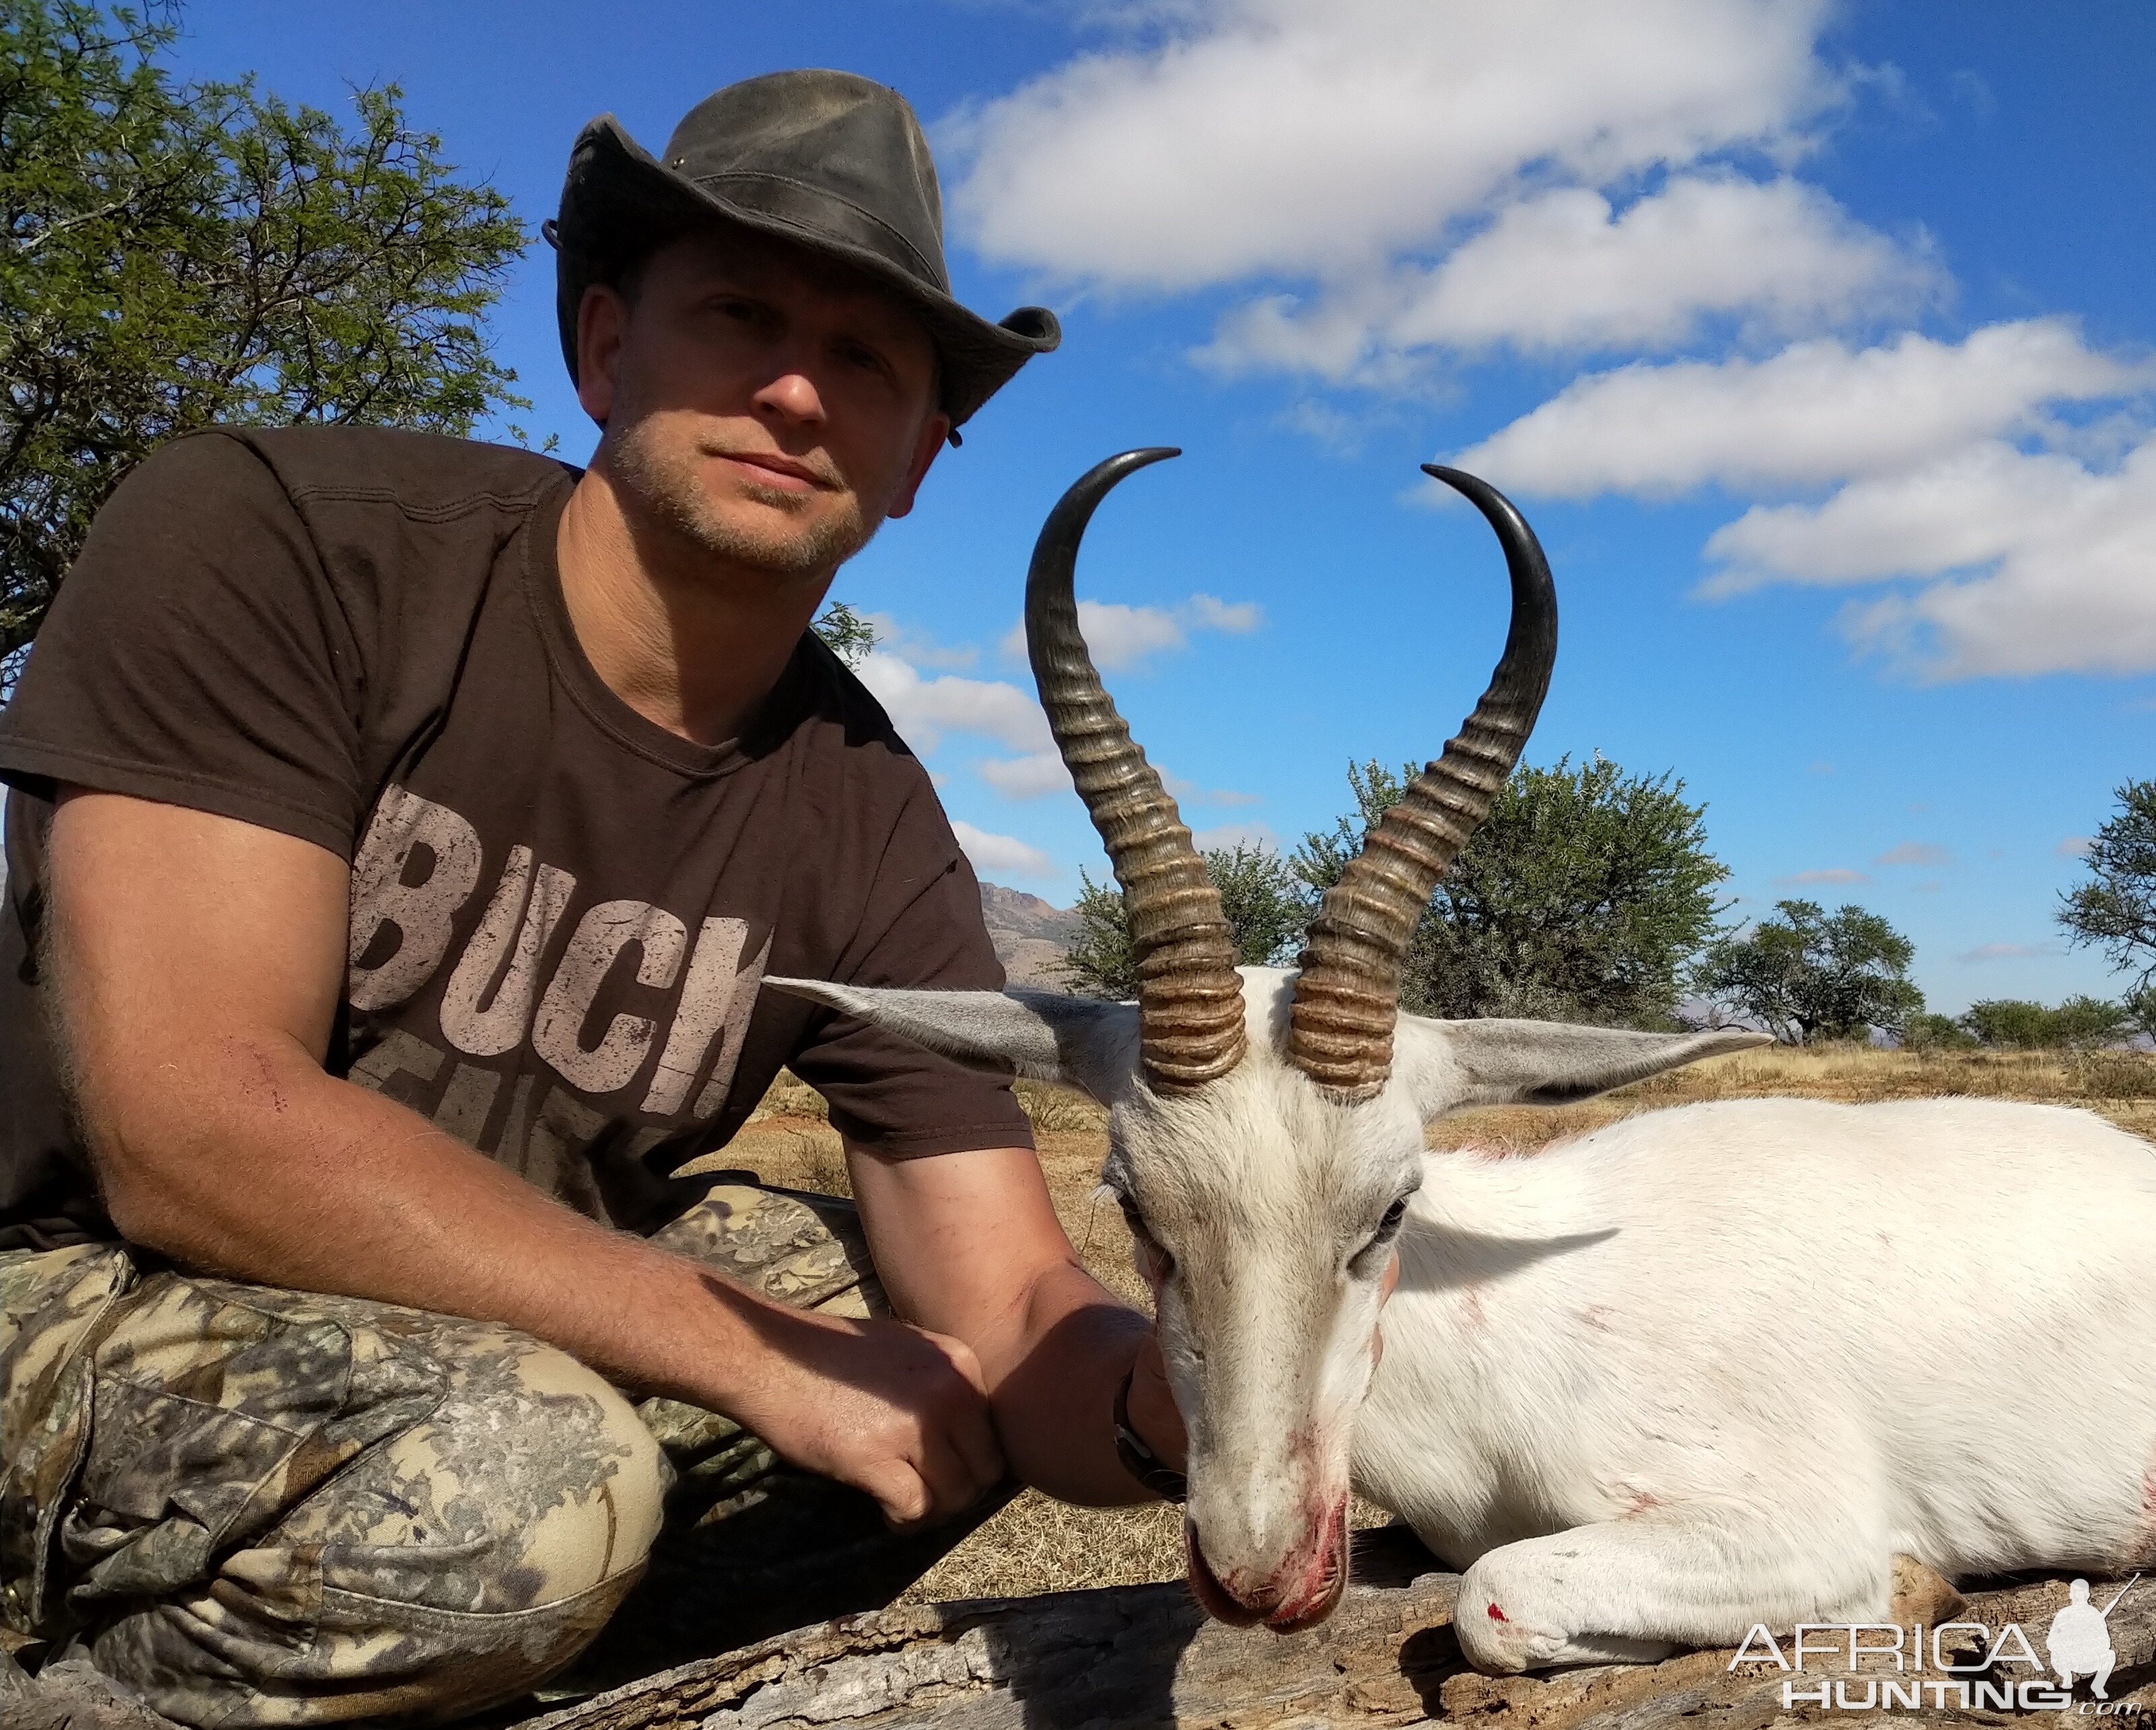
pixel 1299 1593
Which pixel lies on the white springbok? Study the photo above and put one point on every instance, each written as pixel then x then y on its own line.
pixel 1706 1368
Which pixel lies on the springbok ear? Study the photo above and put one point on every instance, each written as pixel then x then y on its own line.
pixel 1042 1035
pixel 1448 1065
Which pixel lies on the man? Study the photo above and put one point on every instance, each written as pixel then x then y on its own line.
pixel 401 830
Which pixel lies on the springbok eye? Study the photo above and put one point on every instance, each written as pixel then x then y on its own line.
pixel 1146 1241
pixel 1370 1256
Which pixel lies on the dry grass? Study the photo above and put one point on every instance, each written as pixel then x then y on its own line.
pixel 1036 1545
pixel 2119 1085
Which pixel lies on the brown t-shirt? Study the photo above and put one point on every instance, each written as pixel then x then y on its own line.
pixel 561 913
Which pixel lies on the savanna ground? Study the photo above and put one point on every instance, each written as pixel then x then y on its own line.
pixel 1036 1545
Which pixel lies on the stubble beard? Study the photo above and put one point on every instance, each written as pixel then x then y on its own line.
pixel 666 484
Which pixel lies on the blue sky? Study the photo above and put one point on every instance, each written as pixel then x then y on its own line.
pixel 1817 342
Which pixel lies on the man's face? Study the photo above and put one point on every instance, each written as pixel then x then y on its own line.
pixel 770 408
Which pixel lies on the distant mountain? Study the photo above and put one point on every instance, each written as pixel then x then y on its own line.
pixel 1030 935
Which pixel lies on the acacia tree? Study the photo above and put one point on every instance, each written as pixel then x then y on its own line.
pixel 172 256
pixel 1808 974
pixel 848 633
pixel 1259 896
pixel 1580 897
pixel 2115 911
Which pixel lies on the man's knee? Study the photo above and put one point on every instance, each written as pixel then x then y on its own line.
pixel 533 1483
pixel 450 1564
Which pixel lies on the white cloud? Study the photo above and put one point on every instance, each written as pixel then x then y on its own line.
pixel 918 648
pixel 1815 412
pixel 2003 951
pixel 1392 187
pixel 2075 847
pixel 1970 86
pixel 2026 560
pixel 1121 636
pixel 1186 791
pixel 1275 135
pixel 1041 773
pixel 1351 147
pixel 1001 852
pixel 1237 835
pixel 1828 873
pixel 2034 561
pixel 924 710
pixel 1031 776
pixel 1915 853
pixel 1335 428
pixel 1563 271
pixel 1210 613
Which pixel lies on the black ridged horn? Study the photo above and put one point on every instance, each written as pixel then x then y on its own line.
pixel 1190 999
pixel 1348 999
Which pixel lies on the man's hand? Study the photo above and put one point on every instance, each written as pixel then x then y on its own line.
pixel 968 1244
pixel 896 1411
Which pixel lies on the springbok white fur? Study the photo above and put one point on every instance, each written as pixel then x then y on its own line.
pixel 1708 1366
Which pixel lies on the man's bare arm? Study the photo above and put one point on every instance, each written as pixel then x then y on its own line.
pixel 195 965
pixel 969 1244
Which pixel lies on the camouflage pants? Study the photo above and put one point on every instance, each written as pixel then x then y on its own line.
pixel 251 1507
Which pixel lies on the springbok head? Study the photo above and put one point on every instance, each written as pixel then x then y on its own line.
pixel 1266 1127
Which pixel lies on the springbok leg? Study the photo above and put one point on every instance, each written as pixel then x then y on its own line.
pixel 1631 1590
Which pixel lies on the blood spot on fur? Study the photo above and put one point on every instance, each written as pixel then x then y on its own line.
pixel 1470 1308
pixel 1496 1615
pixel 1597 1316
pixel 1642 1499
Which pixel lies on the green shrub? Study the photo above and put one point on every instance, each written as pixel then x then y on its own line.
pixel 1929 1032
pixel 2081 1023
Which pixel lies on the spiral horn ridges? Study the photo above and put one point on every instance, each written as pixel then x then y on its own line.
pixel 1190 998
pixel 1347 1001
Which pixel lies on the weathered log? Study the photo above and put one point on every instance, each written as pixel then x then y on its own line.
pixel 1120 1658
pixel 1146 1657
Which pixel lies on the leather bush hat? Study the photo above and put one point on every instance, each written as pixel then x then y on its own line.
pixel 827 160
